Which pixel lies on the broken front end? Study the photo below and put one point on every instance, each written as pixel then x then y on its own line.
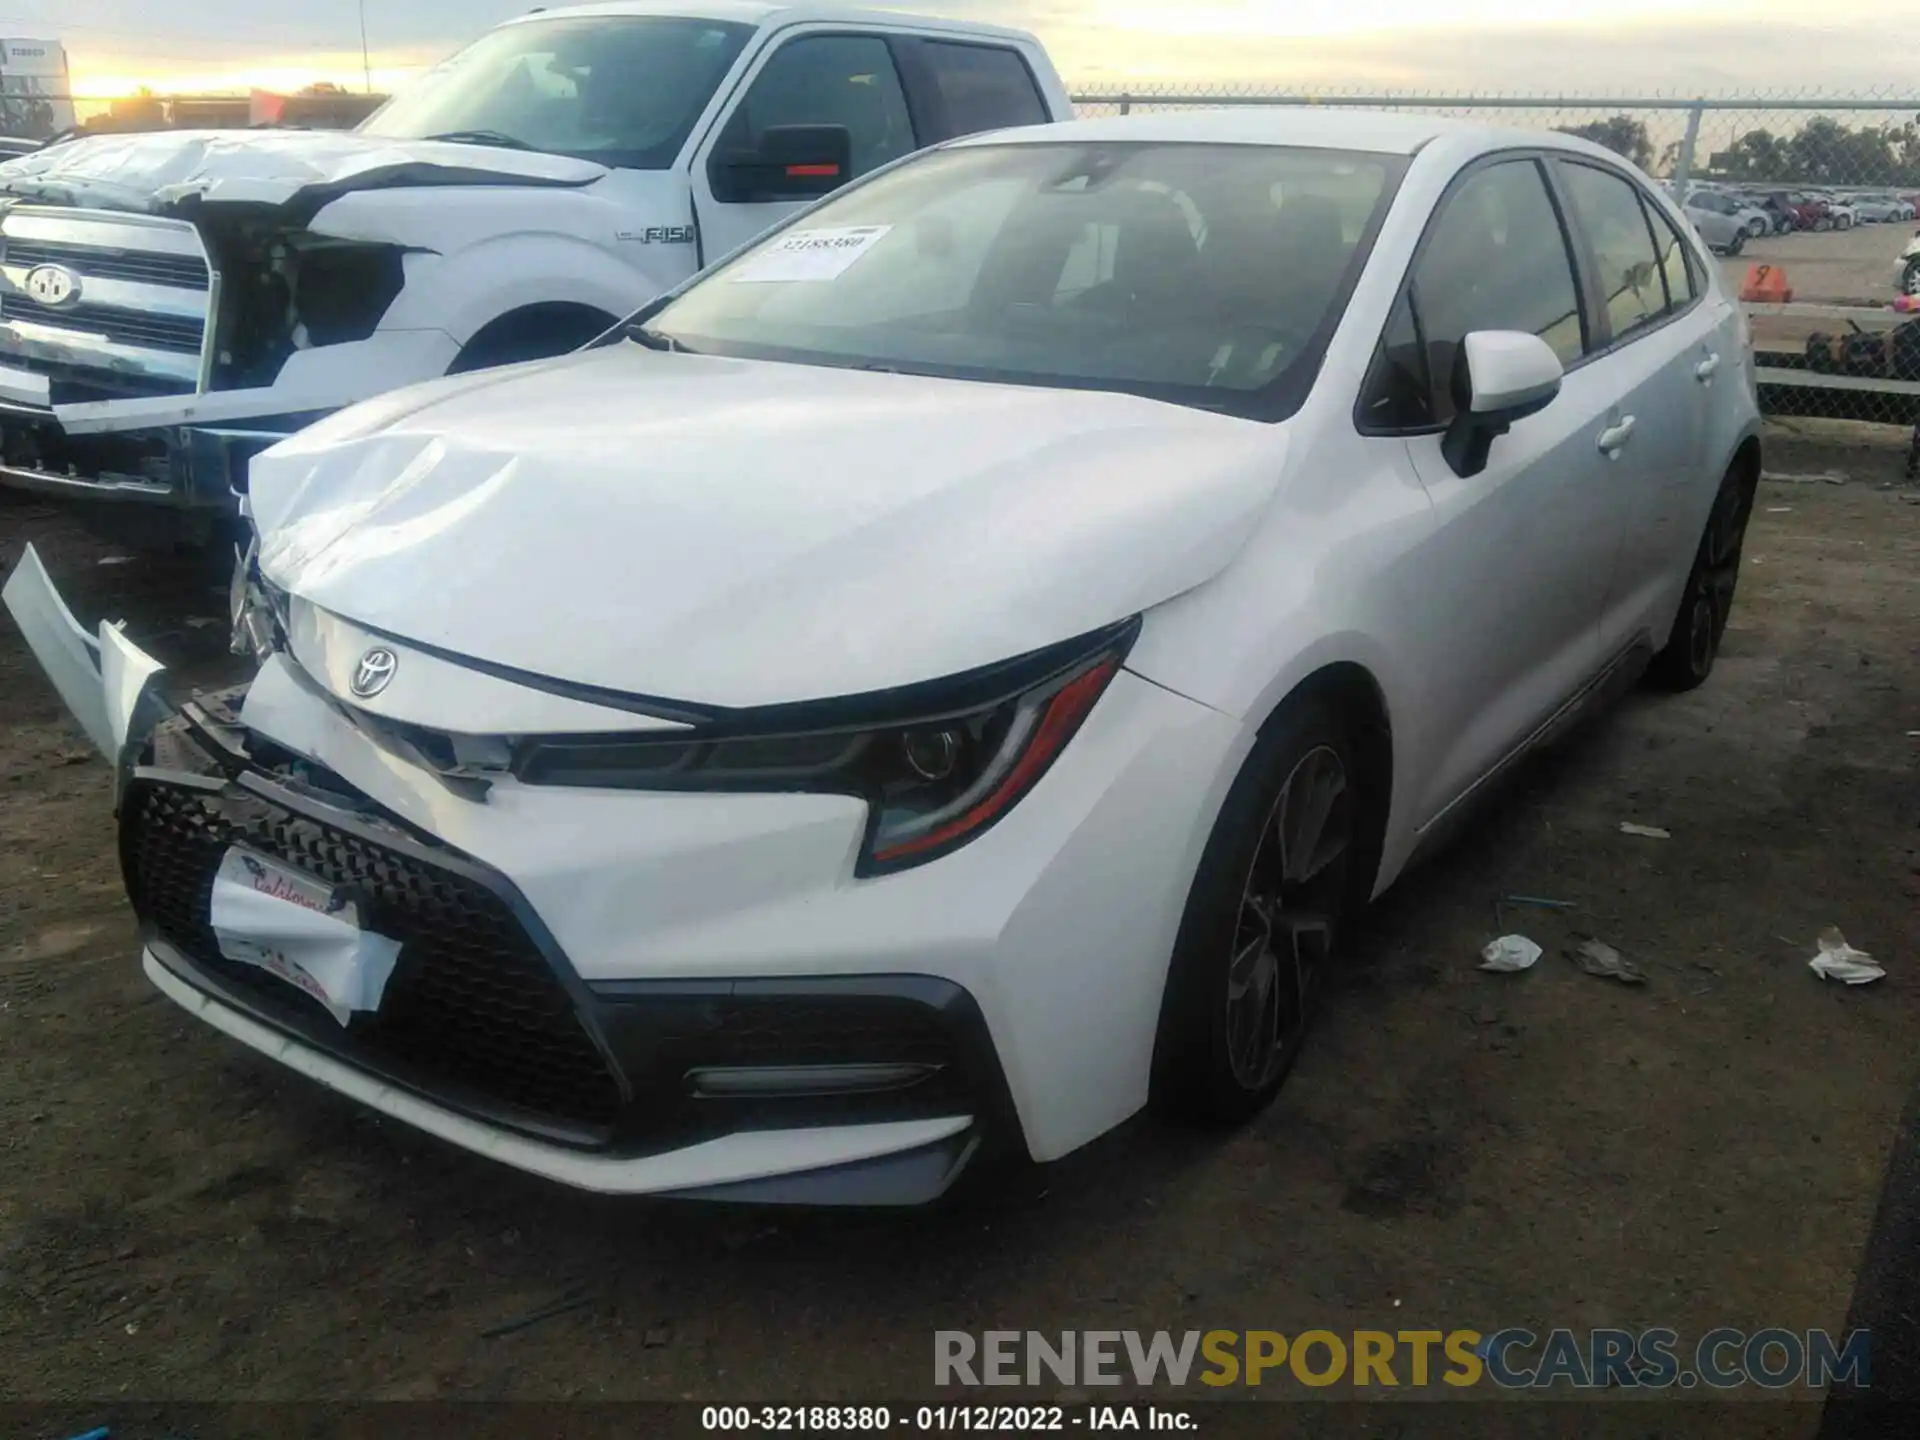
pixel 147 357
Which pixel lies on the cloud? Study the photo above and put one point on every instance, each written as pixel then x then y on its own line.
pixel 1575 46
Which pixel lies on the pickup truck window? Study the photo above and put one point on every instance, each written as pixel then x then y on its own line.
pixel 983 87
pixel 622 90
pixel 847 80
pixel 1207 275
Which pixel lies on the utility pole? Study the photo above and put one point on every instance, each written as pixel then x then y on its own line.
pixel 366 61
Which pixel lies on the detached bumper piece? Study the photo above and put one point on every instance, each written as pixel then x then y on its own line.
pixel 485 1019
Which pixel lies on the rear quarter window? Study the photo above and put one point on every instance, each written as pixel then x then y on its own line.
pixel 983 87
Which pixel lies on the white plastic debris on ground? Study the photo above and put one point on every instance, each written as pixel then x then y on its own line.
pixel 1510 953
pixel 1645 832
pixel 1838 960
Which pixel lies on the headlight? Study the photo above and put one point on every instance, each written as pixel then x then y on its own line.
pixel 938 764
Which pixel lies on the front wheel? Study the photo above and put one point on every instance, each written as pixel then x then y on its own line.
pixel 1910 281
pixel 1694 643
pixel 1262 921
pixel 1845 222
pixel 1823 224
pixel 1756 227
pixel 1737 243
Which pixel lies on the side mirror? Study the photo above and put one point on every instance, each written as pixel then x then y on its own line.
pixel 1499 376
pixel 792 162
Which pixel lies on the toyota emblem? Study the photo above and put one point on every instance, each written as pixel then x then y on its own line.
pixel 52 286
pixel 374 671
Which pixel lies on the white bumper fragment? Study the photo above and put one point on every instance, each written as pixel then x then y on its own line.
pixel 104 679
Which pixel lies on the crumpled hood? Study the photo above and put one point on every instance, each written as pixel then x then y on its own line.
pixel 152 172
pixel 740 533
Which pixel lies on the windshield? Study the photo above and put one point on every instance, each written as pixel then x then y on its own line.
pixel 623 90
pixel 1211 275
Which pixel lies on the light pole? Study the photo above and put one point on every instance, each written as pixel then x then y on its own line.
pixel 366 62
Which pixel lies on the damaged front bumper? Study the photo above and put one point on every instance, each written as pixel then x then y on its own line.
pixel 486 1036
pixel 186 468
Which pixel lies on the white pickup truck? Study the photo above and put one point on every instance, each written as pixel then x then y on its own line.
pixel 172 303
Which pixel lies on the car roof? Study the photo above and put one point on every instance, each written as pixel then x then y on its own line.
pixel 1309 127
pixel 765 13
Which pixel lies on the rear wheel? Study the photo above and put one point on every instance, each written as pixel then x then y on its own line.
pixel 1262 921
pixel 1910 282
pixel 1694 644
pixel 1737 243
pixel 1756 227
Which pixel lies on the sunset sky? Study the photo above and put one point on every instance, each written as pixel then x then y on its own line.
pixel 1619 46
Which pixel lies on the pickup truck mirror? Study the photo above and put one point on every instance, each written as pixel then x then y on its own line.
pixel 792 162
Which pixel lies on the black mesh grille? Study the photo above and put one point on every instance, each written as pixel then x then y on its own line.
pixel 186 272
pixel 472 1002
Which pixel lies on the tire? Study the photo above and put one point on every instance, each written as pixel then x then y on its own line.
pixel 1843 222
pixel 1693 645
pixel 1756 228
pixel 1910 281
pixel 1823 224
pixel 1737 243
pixel 1230 1031
pixel 538 333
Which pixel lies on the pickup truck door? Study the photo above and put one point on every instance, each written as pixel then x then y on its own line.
pixel 895 91
pixel 817 77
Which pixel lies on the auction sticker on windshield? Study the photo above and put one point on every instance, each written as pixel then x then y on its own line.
pixel 810 255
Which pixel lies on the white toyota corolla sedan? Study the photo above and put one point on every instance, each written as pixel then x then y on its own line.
pixel 941 680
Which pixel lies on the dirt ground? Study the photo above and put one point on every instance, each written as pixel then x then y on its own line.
pixel 180 1220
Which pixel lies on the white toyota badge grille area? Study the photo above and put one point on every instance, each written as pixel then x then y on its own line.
pixel 136 295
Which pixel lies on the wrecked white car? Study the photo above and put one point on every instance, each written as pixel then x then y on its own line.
pixel 949 674
pixel 173 303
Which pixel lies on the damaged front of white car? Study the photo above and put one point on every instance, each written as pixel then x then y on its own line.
pixel 173 303
pixel 461 849
pixel 737 795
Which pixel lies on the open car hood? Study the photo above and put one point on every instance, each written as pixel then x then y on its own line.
pixel 739 533
pixel 156 172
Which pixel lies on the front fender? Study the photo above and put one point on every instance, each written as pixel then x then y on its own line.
pixel 463 292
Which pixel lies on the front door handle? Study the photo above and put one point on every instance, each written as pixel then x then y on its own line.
pixel 1707 369
pixel 1615 436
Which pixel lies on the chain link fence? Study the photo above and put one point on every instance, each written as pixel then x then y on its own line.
pixel 1821 191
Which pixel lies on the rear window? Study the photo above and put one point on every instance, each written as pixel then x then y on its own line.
pixel 984 87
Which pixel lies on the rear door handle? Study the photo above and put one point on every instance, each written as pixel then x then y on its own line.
pixel 1615 436
pixel 1707 369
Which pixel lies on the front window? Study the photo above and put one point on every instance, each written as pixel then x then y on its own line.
pixel 618 89
pixel 1211 275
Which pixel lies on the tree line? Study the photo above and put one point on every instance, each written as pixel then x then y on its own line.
pixel 1823 151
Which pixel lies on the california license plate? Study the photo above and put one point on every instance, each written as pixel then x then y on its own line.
pixel 301 930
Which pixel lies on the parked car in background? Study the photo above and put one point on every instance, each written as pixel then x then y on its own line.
pixel 1725 223
pixel 1805 212
pixel 1780 215
pixel 177 301
pixel 1879 209
pixel 1908 268
pixel 1840 212
pixel 950 674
